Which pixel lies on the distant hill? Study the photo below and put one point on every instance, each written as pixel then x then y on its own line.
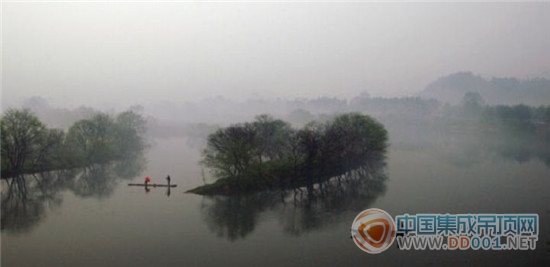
pixel 504 91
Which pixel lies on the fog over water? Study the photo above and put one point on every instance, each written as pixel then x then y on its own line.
pixel 463 90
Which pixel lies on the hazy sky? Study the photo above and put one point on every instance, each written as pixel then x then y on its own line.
pixel 124 53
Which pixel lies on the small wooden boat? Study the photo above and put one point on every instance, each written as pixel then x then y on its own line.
pixel 155 185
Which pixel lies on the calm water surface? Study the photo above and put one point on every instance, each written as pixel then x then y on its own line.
pixel 131 227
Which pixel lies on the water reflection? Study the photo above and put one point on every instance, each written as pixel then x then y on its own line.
pixel 24 203
pixel 300 210
pixel 147 189
pixel 26 198
pixel 468 147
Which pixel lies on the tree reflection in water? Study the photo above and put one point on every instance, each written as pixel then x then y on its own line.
pixel 25 198
pixel 300 209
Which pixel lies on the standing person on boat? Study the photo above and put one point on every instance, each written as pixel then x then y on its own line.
pixel 147 181
pixel 168 179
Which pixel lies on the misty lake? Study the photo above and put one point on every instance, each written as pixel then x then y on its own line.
pixel 98 95
pixel 122 225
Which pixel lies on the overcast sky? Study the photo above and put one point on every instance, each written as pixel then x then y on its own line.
pixel 124 53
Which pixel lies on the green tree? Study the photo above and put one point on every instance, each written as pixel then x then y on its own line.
pixel 52 153
pixel 310 139
pixel 130 133
pixel 517 117
pixel 24 137
pixel 270 140
pixel 93 140
pixel 272 151
pixel 229 151
pixel 349 138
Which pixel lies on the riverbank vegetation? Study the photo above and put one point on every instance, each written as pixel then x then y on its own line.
pixel 268 153
pixel 28 146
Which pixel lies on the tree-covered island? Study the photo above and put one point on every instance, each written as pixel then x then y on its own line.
pixel 270 154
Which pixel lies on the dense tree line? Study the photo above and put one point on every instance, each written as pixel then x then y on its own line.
pixel 518 114
pixel 270 153
pixel 29 146
pixel 518 118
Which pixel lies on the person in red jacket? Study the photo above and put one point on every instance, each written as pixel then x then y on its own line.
pixel 147 180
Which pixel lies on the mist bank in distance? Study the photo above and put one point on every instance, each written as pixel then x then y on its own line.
pixel 449 89
pixel 496 91
pixel 199 118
